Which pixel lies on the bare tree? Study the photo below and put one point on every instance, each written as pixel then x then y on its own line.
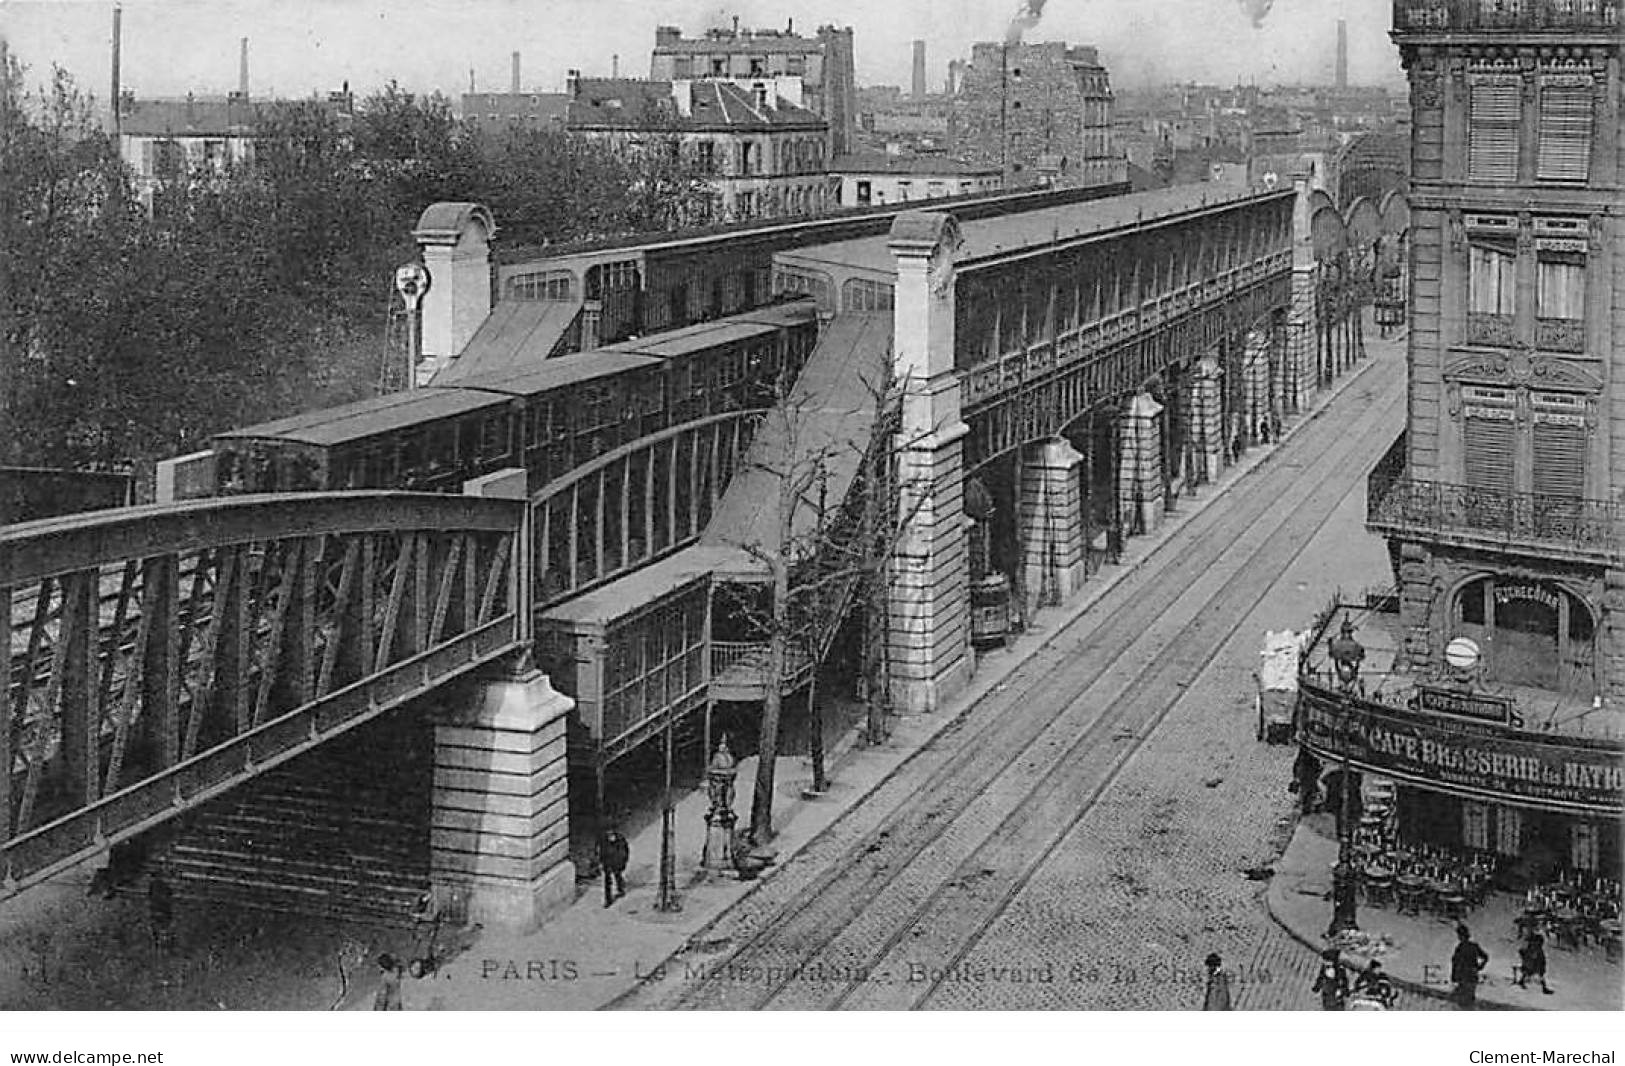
pixel 821 555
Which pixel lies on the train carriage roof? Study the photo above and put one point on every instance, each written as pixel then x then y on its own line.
pixel 718 332
pixel 557 373
pixel 368 418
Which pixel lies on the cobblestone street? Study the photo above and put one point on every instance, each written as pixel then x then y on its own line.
pixel 1079 838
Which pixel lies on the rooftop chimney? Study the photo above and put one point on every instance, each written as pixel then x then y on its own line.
pixel 515 87
pixel 572 83
pixel 615 65
pixel 919 70
pixel 118 16
pixel 242 68
pixel 1342 54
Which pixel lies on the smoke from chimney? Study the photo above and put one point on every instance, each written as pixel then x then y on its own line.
pixel 1024 20
pixel 1256 10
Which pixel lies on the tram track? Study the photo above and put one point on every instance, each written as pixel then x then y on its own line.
pixel 998 782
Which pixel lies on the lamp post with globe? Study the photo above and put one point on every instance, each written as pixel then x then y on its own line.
pixel 1346 654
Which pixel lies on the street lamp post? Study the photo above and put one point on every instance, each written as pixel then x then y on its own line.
pixel 1346 654
pixel 411 281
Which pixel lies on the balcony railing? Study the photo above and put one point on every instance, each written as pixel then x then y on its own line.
pixel 1553 16
pixel 1590 528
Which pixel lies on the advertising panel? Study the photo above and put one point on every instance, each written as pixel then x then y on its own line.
pixel 1458 757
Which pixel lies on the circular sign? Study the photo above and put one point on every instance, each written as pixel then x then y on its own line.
pixel 1461 653
pixel 411 280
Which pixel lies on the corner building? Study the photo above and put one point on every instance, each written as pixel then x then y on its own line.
pixel 1503 503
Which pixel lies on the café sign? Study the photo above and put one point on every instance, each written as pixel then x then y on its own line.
pixel 1456 757
pixel 1473 705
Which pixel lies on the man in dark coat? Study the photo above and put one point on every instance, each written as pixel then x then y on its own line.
pixel 1466 964
pixel 1331 982
pixel 613 855
pixel 1532 957
pixel 1217 996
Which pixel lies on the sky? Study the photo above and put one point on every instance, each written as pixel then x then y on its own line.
pixel 300 47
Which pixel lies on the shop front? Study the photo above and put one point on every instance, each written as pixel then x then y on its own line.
pixel 1539 807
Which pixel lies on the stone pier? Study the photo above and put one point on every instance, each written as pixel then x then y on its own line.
pixel 500 832
pixel 928 610
pixel 1139 474
pixel 1051 522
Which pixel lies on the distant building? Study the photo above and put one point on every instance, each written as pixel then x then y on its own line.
pixel 165 140
pixel 824 64
pixel 862 180
pixel 766 155
pixel 493 114
pixel 1022 105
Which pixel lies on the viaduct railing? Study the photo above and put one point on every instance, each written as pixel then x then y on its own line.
pixel 157 656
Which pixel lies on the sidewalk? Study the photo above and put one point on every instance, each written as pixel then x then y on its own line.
pixel 587 956
pixel 1415 949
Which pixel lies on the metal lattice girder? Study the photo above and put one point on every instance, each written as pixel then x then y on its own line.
pixel 157 656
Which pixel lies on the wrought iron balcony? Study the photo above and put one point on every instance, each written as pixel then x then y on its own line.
pixel 1549 16
pixel 1569 525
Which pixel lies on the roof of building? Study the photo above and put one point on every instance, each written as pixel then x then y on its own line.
pixel 987 238
pixel 747 43
pixel 516 334
pixel 549 374
pixel 189 118
pixel 829 414
pixel 368 418
pixel 632 104
pixel 543 107
pixel 878 163
pixel 607 604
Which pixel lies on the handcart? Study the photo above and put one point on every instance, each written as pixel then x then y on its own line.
pixel 1276 679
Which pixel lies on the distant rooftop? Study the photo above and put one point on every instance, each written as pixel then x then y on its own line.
pixel 633 104
pixel 880 163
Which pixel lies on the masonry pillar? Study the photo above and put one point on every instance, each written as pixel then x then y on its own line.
pixel 1255 378
pixel 1613 634
pixel 1139 481
pixel 455 240
pixel 1416 595
pixel 1303 371
pixel 1207 416
pixel 499 838
pixel 1051 522
pixel 928 607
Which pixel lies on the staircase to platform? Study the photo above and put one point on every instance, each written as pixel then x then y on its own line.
pixel 339 833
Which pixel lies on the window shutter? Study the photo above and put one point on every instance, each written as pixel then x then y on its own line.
pixel 1490 444
pixel 1559 457
pixel 1565 133
pixel 1494 117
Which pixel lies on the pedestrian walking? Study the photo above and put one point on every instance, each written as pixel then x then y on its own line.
pixel 1532 957
pixel 613 855
pixel 161 913
pixel 1331 982
pixel 388 996
pixel 1217 996
pixel 1466 964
